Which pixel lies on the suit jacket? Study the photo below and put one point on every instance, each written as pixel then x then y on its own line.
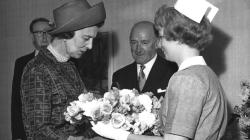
pixel 17 127
pixel 161 71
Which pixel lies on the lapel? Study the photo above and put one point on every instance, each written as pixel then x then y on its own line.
pixel 31 55
pixel 152 75
pixel 28 57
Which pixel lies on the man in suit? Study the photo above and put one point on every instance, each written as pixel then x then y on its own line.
pixel 40 38
pixel 152 68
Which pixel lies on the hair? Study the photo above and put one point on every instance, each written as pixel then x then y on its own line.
pixel 178 27
pixel 71 34
pixel 41 19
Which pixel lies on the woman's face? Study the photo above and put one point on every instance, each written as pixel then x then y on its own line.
pixel 81 42
pixel 169 48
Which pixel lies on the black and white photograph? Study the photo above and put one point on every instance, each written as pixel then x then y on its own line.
pixel 125 70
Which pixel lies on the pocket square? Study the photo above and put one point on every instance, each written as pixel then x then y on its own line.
pixel 161 90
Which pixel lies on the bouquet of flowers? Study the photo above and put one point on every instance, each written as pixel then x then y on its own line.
pixel 124 109
pixel 242 112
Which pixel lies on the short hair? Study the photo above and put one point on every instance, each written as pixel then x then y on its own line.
pixel 178 27
pixel 40 19
pixel 70 34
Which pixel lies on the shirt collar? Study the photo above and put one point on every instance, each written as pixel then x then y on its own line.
pixel 58 56
pixel 36 52
pixel 148 66
pixel 196 60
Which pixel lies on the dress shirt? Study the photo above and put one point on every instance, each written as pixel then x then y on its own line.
pixel 196 60
pixel 36 52
pixel 148 67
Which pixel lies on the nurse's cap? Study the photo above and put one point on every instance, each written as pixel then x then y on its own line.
pixel 196 9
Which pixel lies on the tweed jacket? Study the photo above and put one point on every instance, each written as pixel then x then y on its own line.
pixel 47 88
pixel 158 77
pixel 17 128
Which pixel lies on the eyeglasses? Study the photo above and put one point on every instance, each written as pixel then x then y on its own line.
pixel 40 33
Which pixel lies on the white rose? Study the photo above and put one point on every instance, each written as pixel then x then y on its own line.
pixel 143 126
pixel 74 103
pixel 135 101
pixel 90 108
pixel 67 116
pixel 125 99
pixel 129 92
pixel 147 118
pixel 136 128
pixel 73 110
pixel 86 97
pixel 112 97
pixel 146 101
pixel 106 107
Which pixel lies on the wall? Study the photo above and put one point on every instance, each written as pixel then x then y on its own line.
pixel 228 54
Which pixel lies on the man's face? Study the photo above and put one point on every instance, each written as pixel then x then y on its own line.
pixel 142 42
pixel 40 36
pixel 81 42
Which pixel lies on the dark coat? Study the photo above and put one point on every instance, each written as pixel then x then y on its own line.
pixel 17 127
pixel 162 70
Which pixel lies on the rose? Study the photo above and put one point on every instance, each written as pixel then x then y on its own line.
pixel 125 99
pixel 150 94
pixel 146 101
pixel 97 114
pixel 135 101
pixel 136 128
pixel 76 117
pixel 128 92
pixel 106 108
pixel 143 126
pixel 112 97
pixel 92 109
pixel 156 102
pixel 117 120
pixel 73 110
pixel 148 118
pixel 86 97
pixel 67 116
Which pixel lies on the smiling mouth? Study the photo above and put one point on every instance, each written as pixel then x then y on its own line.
pixel 139 54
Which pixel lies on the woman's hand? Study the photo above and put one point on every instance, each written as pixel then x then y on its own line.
pixel 108 131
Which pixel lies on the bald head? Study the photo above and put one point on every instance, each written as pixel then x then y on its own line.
pixel 142 41
pixel 143 26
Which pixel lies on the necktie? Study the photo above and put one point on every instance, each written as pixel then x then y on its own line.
pixel 141 78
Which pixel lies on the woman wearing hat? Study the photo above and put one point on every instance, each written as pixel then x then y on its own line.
pixel 50 81
pixel 194 106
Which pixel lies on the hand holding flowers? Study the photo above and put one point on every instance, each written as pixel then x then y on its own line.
pixel 122 109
